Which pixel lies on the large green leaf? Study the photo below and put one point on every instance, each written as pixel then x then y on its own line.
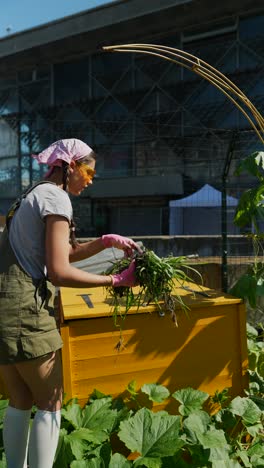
pixel 64 455
pixel 148 462
pixel 250 207
pixel 80 464
pixel 151 434
pixel 157 393
pixel 92 463
pixel 256 449
pixel 78 443
pixel 93 436
pixel 190 399
pixel 253 164
pixel 245 288
pixel 220 454
pixel 119 461
pixel 213 438
pixel 199 431
pixel 73 414
pixel 255 429
pixel 196 423
pixel 99 415
pixel 257 462
pixel 243 455
pixel 225 464
pixel 252 333
pixel 247 409
pixel 103 452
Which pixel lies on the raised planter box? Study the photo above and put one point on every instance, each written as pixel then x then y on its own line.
pixel 207 350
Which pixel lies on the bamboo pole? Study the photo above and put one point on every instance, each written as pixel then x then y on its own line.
pixel 206 71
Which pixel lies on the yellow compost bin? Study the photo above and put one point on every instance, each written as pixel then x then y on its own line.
pixel 207 350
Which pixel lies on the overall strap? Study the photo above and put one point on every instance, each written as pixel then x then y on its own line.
pixel 17 202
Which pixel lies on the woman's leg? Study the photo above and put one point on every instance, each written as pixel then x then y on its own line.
pixel 44 378
pixel 40 381
pixel 17 417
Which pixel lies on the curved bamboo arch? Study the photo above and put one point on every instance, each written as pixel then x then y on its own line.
pixel 206 71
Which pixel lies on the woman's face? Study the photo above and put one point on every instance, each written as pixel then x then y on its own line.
pixel 82 174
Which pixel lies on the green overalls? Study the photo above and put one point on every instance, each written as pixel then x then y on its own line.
pixel 28 326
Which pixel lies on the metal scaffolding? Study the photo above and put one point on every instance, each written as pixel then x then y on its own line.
pixel 145 118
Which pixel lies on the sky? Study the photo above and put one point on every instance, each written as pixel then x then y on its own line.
pixel 18 15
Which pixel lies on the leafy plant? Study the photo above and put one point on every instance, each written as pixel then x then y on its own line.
pixel 156 278
pixel 250 285
pixel 255 345
pixel 232 437
pixel 197 437
pixel 250 210
pixel 107 433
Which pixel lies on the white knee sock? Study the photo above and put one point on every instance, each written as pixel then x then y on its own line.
pixel 43 439
pixel 15 436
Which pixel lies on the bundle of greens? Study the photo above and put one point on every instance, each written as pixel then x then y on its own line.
pixel 156 278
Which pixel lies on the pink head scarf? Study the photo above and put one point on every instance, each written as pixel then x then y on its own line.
pixel 63 150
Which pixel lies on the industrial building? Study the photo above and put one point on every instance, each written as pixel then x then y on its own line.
pixel 160 131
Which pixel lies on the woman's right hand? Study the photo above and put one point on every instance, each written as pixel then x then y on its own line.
pixel 120 242
pixel 126 277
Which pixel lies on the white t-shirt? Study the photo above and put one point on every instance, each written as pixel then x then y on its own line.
pixel 27 228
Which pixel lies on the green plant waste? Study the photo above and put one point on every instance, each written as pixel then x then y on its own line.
pixel 156 278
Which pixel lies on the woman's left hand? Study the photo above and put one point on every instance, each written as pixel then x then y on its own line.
pixel 120 242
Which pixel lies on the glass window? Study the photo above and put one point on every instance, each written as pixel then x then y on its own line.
pixel 71 81
pixel 8 140
pixel 251 27
pixel 34 95
pixel 9 177
pixel 8 101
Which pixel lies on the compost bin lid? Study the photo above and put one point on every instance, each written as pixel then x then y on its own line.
pixel 79 303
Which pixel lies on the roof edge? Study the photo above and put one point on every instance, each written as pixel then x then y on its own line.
pixel 85 21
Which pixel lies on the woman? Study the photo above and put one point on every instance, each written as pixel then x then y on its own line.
pixel 36 251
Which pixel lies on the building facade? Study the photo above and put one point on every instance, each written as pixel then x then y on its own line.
pixel 160 131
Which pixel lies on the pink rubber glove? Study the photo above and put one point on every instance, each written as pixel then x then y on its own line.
pixel 126 277
pixel 120 242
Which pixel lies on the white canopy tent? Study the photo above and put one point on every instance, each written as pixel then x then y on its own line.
pixel 200 213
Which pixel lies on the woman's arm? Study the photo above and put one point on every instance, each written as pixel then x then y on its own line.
pixel 85 250
pixel 108 240
pixel 60 271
